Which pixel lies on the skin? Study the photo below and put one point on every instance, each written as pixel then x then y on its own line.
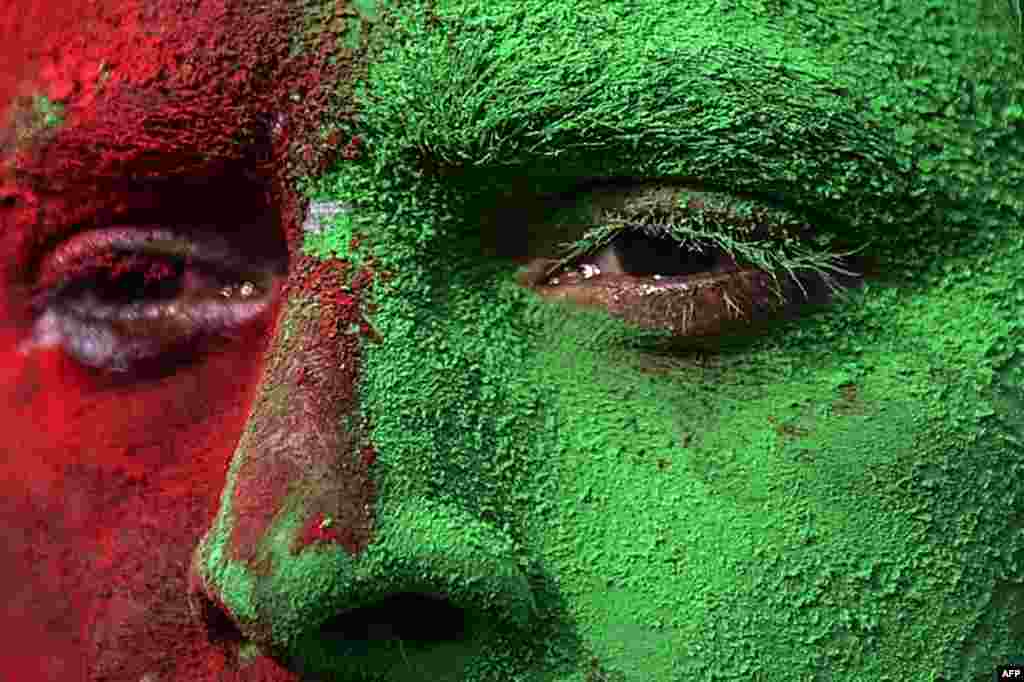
pixel 604 492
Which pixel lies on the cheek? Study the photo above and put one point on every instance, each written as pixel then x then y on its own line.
pixel 173 435
pixel 103 494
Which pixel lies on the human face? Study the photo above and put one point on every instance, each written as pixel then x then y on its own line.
pixel 561 491
pixel 141 165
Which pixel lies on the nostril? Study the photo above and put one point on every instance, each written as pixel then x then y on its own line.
pixel 409 616
pixel 220 629
pixel 407 635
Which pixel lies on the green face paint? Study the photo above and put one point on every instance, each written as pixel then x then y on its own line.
pixel 837 495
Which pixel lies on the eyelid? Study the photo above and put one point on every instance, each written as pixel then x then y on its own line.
pixel 58 267
pixel 703 216
pixel 115 346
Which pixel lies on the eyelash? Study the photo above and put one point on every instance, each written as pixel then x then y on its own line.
pixel 768 245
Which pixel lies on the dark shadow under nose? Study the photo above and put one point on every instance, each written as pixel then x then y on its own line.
pixel 409 616
pixel 404 636
pixel 220 629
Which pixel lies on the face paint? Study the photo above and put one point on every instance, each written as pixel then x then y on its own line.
pixel 788 502
pixel 143 169
pixel 554 490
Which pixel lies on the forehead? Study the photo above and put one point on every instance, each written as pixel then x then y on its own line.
pixel 113 83
pixel 105 102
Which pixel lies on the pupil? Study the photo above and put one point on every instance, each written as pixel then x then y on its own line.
pixel 139 278
pixel 640 254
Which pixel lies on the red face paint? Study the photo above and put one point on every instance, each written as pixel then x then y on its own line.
pixel 110 111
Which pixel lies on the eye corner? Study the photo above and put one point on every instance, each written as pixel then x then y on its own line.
pixel 536 272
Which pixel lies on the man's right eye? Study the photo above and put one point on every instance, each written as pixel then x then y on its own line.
pixel 125 296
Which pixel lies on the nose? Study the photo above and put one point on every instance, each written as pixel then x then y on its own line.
pixel 306 558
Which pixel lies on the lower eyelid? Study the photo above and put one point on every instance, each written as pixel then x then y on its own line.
pixel 115 338
pixel 95 344
pixel 199 315
pixel 92 344
pixel 687 306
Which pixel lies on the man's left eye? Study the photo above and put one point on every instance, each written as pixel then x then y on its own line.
pixel 691 263
pixel 641 255
pixel 122 296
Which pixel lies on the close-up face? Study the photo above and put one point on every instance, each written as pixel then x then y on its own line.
pixel 492 340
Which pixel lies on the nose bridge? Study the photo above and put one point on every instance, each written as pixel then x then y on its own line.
pixel 300 473
pixel 300 443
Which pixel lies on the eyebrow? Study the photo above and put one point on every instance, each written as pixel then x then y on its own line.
pixel 149 133
pixel 721 110
pixel 108 176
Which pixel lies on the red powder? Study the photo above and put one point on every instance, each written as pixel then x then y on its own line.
pixel 368 455
pixel 320 528
pixel 111 486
